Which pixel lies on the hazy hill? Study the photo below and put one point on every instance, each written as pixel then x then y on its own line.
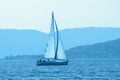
pixel 104 50
pixel 21 42
pixel 32 42
pixel 83 36
pixel 110 49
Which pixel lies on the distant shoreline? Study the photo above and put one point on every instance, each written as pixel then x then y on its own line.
pixel 37 57
pixel 21 57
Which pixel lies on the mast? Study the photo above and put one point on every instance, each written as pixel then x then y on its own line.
pixel 53 25
pixel 59 51
pixel 57 41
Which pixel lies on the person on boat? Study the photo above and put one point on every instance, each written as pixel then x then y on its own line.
pixel 44 61
pixel 40 60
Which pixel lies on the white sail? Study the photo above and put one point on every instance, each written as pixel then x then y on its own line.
pixel 50 50
pixel 60 52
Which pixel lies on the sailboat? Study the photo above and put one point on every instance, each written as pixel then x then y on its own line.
pixel 54 52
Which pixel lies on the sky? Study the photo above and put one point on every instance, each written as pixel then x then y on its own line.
pixel 36 14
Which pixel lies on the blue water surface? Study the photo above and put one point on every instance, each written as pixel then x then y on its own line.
pixel 81 69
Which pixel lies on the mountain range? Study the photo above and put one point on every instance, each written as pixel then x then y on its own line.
pixel 104 50
pixel 32 42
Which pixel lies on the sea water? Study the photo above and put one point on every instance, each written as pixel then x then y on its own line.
pixel 83 69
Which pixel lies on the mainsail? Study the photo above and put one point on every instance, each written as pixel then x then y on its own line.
pixel 54 47
pixel 60 53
